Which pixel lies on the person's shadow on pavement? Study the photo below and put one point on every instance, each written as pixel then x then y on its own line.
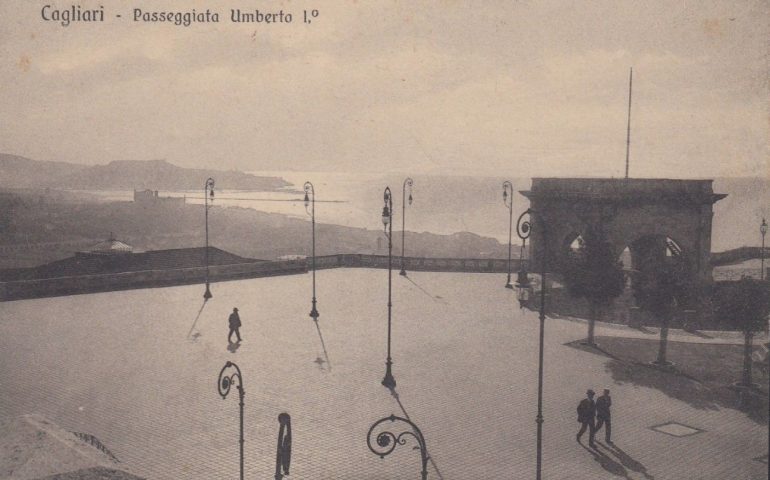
pixel 627 460
pixel 233 347
pixel 607 463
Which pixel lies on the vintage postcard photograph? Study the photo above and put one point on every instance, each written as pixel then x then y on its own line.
pixel 384 239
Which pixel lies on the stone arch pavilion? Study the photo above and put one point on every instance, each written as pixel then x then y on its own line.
pixel 649 216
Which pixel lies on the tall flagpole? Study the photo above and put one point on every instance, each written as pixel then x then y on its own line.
pixel 628 131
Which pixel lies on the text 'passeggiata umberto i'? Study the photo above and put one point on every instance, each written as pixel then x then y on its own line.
pixel 181 18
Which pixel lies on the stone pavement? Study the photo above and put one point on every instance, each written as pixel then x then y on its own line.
pixel 119 366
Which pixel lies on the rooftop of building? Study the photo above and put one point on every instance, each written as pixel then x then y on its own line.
pixel 661 189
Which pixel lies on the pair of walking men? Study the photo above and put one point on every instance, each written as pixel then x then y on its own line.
pixel 589 410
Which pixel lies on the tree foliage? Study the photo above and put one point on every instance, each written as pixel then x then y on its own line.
pixel 659 286
pixel 593 272
pixel 744 304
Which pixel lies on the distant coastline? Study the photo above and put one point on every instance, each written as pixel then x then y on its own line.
pixel 21 172
pixel 347 203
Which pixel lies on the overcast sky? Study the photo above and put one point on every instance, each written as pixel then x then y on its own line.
pixel 500 88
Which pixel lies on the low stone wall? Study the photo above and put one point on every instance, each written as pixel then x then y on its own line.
pixel 728 274
pixel 52 287
pixel 417 264
pixel 737 255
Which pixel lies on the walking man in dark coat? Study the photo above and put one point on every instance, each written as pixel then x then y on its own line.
pixel 586 411
pixel 235 324
pixel 603 404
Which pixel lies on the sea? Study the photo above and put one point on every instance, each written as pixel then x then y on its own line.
pixel 447 204
pixel 440 204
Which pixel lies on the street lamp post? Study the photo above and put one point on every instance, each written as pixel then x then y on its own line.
pixel 386 441
pixel 407 183
pixel 387 221
pixel 523 230
pixel 508 201
pixel 310 192
pixel 208 191
pixel 522 279
pixel 223 386
pixel 763 231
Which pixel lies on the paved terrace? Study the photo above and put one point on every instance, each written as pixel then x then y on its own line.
pixel 120 366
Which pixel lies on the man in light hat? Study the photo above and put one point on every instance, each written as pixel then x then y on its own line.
pixel 586 411
pixel 235 324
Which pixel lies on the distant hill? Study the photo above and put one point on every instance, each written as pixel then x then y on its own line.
pixel 60 223
pixel 23 172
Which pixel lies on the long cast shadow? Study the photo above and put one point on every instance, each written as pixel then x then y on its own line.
pixel 406 415
pixel 681 386
pixel 435 298
pixel 607 463
pixel 627 460
pixel 196 319
pixel 323 345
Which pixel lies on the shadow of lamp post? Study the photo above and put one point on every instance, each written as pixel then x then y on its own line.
pixel 386 441
pixel 387 221
pixel 508 201
pixel 223 386
pixel 310 202
pixel 208 191
pixel 283 453
pixel 523 230
pixel 408 182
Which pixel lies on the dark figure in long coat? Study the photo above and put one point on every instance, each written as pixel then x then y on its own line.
pixel 586 411
pixel 603 404
pixel 235 324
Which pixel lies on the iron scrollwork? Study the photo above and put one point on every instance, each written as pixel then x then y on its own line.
pixel 386 441
pixel 524 228
pixel 226 381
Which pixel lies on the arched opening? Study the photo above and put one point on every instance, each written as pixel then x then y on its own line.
pixel 672 248
pixel 576 244
pixel 571 246
pixel 644 255
pixel 649 250
pixel 626 259
pixel 572 243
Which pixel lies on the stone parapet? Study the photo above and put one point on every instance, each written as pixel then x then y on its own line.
pixel 52 287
